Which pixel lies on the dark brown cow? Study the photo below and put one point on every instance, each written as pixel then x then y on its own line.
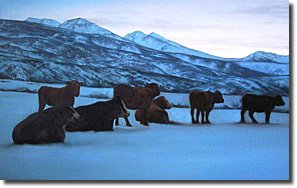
pixel 136 98
pixel 99 116
pixel 44 127
pixel 259 103
pixel 156 112
pixel 56 96
pixel 203 101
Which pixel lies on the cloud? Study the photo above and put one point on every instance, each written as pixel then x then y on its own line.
pixel 276 9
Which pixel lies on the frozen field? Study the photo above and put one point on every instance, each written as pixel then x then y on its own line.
pixel 225 150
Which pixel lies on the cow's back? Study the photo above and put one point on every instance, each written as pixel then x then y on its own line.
pixel 48 91
pixel 55 96
pixel 93 111
pixel 200 99
pixel 155 114
pixel 257 103
pixel 124 92
pixel 134 97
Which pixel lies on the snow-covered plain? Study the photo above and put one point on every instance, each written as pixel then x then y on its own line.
pixel 224 150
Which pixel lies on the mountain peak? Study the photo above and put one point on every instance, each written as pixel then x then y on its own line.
pixel 135 36
pixel 83 26
pixel 155 35
pixel 266 57
pixel 44 21
pixel 79 21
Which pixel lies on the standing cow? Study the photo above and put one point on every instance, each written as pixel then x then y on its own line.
pixel 203 101
pixel 259 103
pixel 57 96
pixel 137 98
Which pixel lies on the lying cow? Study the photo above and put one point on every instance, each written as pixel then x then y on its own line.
pixel 57 96
pixel 203 101
pixel 44 127
pixel 156 112
pixel 259 103
pixel 99 116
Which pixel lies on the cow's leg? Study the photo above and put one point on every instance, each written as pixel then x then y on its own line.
pixel 197 115
pixel 72 101
pixel 192 115
pixel 144 119
pixel 42 104
pixel 127 122
pixel 207 114
pixel 202 117
pixel 242 115
pixel 166 119
pixel 251 114
pixel 117 121
pixel 267 117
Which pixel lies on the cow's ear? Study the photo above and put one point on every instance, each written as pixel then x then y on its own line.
pixel 68 82
pixel 80 83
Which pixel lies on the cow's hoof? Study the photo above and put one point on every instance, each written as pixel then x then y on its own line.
pixel 129 125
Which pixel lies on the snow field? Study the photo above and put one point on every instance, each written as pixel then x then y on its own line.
pixel 225 150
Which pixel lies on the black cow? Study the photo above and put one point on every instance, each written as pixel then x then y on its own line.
pixel 259 103
pixel 43 127
pixel 99 116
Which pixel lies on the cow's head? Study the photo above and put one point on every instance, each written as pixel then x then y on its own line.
pixel 162 102
pixel 278 101
pixel 218 97
pixel 74 87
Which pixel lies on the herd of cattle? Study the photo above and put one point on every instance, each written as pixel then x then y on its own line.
pixel 49 126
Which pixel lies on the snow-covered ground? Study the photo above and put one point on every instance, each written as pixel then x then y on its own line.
pixel 224 150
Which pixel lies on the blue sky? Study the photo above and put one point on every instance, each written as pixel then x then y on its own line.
pixel 227 28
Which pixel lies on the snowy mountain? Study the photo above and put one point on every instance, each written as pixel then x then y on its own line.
pixel 44 21
pixel 261 56
pixel 84 26
pixel 158 42
pixel 56 55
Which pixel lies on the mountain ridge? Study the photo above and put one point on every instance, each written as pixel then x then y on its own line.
pixel 85 26
pixel 44 21
pixel 48 54
pixel 158 42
